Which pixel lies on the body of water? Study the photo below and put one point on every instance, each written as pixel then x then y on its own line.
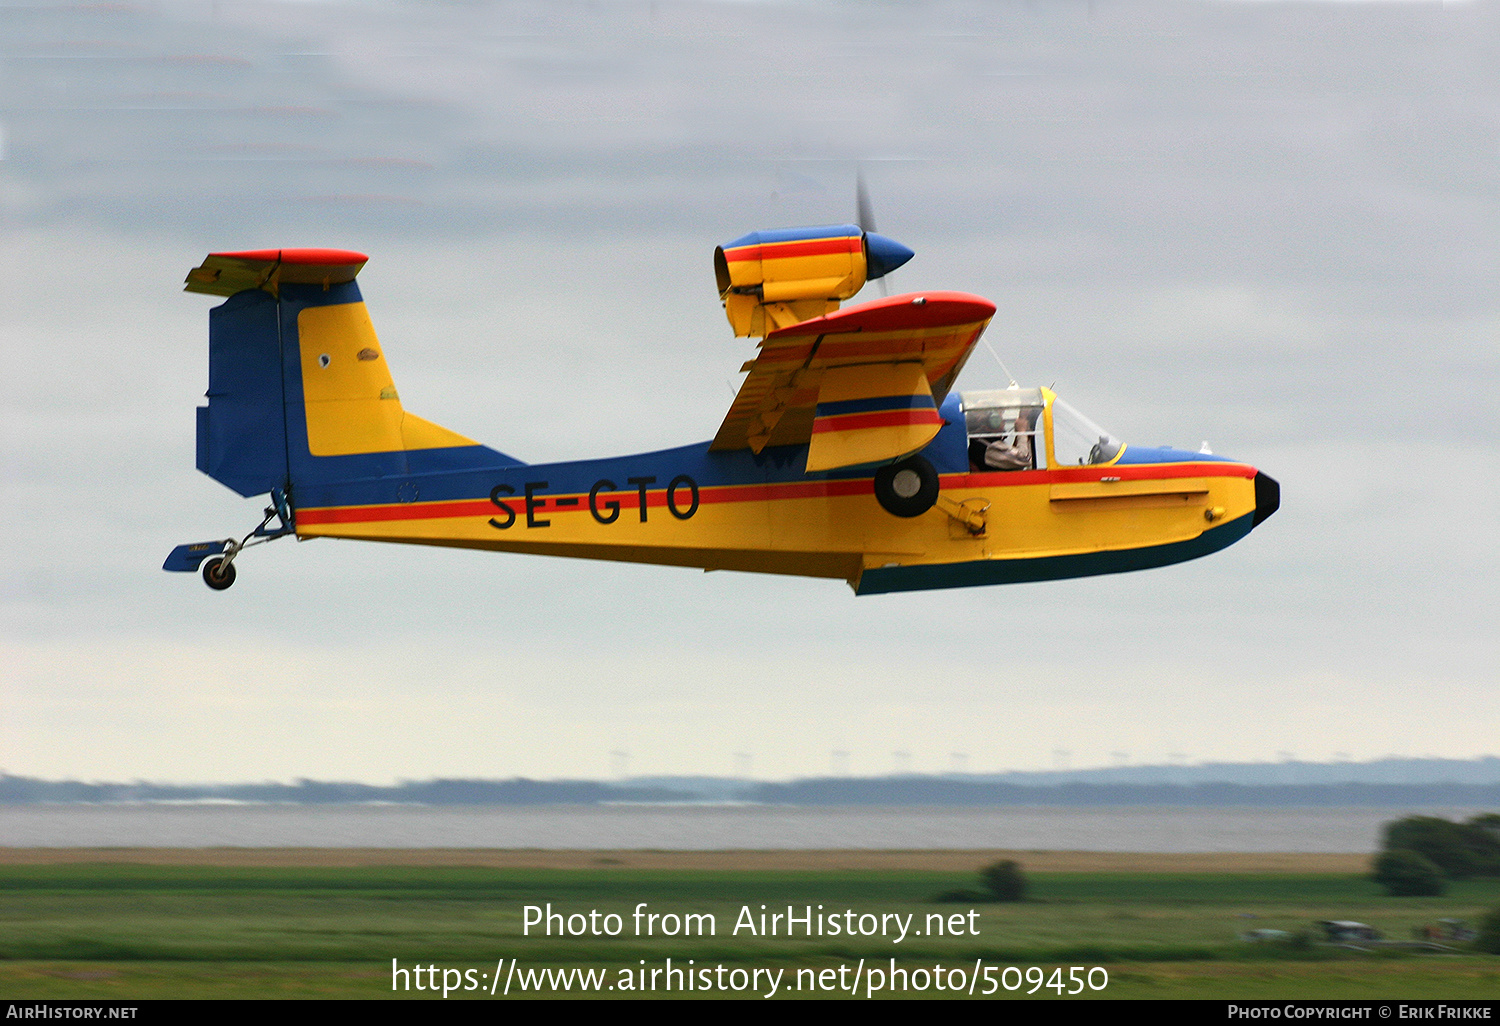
pixel 698 828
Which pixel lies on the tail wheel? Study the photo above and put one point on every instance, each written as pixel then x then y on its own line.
pixel 908 488
pixel 218 574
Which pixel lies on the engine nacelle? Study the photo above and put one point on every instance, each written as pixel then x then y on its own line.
pixel 774 279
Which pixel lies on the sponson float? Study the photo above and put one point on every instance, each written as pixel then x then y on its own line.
pixel 846 453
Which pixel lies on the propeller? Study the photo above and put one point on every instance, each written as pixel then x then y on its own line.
pixel 865 216
pixel 862 202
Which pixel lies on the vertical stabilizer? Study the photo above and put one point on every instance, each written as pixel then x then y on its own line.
pixel 300 397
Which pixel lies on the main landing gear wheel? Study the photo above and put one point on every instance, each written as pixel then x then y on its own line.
pixel 908 488
pixel 218 574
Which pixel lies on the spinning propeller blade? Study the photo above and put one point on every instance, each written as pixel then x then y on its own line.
pixel 865 217
pixel 866 214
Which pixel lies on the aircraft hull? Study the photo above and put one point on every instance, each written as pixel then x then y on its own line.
pixel 735 511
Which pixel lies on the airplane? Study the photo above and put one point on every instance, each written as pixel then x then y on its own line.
pixel 845 454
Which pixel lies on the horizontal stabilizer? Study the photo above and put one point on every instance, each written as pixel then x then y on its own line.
pixel 224 274
pixel 187 558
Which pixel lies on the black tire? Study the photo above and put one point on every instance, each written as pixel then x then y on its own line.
pixel 217 574
pixel 908 488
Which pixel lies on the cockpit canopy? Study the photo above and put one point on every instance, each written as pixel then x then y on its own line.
pixel 1030 428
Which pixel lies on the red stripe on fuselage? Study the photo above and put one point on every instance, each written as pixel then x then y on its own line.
pixel 711 494
pixel 1068 475
pixel 630 499
pixel 405 511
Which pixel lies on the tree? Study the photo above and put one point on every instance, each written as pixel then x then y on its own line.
pixel 1488 826
pixel 1004 880
pixel 1408 874
pixel 1460 850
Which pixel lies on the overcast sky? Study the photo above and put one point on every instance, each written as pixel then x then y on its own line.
pixel 1274 227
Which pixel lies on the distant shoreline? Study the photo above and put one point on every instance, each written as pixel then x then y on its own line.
pixel 1391 783
pixel 948 860
pixel 877 794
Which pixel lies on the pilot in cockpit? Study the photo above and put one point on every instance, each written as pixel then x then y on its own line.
pixel 1012 451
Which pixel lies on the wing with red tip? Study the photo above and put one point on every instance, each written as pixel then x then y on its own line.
pixel 858 386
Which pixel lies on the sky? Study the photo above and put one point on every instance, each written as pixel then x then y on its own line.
pixel 1271 226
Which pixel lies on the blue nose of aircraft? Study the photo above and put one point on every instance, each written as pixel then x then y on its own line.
pixel 883 255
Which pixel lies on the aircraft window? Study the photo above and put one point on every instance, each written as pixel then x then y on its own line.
pixel 1078 440
pixel 1005 429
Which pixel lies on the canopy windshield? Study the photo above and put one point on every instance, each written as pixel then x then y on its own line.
pixel 1078 441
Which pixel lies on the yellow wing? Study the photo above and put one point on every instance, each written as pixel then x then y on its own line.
pixel 858 386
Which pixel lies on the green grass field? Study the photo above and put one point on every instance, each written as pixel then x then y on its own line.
pixel 136 931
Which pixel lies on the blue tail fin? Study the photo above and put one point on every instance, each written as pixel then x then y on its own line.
pixel 300 398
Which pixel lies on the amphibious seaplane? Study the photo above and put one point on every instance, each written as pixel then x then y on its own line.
pixel 845 454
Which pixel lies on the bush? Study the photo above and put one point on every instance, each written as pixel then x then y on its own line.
pixel 1004 880
pixel 1408 874
pixel 1485 832
pixel 1489 933
pixel 1459 850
